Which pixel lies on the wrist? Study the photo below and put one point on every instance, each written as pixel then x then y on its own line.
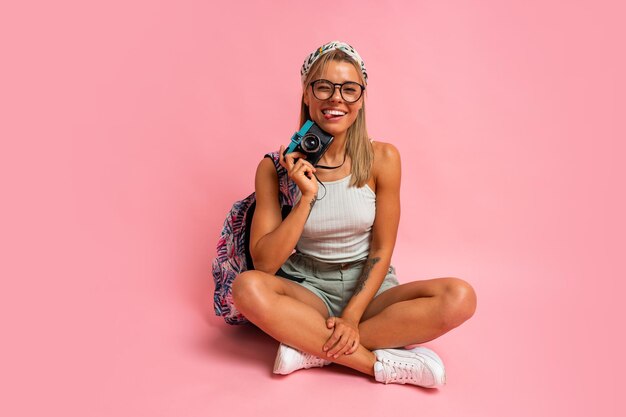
pixel 352 318
pixel 309 196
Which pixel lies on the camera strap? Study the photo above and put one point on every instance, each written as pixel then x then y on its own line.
pixel 338 166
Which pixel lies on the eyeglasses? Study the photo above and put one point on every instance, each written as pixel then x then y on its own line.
pixel 324 89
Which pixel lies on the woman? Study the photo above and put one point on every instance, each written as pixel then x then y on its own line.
pixel 336 299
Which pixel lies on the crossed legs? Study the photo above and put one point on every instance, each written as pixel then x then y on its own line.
pixel 407 314
pixel 416 312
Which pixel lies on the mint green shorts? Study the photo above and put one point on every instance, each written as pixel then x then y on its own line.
pixel 333 283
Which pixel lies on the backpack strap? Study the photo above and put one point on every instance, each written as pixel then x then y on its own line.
pixel 288 190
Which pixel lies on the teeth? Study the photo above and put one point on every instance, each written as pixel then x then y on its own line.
pixel 334 112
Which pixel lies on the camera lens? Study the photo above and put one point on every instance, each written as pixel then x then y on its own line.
pixel 310 143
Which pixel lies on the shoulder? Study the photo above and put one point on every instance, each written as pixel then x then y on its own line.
pixel 266 165
pixel 386 157
pixel 266 176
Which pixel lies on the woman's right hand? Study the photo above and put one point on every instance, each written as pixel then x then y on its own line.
pixel 300 172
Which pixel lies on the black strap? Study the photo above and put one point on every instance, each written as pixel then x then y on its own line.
pixel 338 166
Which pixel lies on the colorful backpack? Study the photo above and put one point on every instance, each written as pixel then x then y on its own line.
pixel 233 253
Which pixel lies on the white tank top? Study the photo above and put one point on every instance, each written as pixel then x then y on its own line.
pixel 339 227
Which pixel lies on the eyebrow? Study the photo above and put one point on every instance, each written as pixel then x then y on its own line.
pixel 346 81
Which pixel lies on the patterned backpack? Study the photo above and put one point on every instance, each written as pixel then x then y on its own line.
pixel 233 253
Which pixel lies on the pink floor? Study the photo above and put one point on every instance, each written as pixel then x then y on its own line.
pixel 128 129
pixel 142 341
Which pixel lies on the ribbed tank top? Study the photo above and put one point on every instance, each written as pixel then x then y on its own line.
pixel 339 227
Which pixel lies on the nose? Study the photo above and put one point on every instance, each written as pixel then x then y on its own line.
pixel 336 94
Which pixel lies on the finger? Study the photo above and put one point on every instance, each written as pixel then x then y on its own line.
pixel 288 159
pixel 341 343
pixel 298 155
pixel 331 341
pixel 347 347
pixel 308 168
pixel 302 170
pixel 355 346
pixel 305 163
pixel 330 323
pixel 291 156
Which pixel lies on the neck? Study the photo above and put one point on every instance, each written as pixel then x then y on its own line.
pixel 335 152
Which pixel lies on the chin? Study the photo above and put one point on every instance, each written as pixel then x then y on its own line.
pixel 334 128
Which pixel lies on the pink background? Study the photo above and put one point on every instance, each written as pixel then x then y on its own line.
pixel 129 127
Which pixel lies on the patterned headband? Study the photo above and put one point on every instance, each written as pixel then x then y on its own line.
pixel 342 46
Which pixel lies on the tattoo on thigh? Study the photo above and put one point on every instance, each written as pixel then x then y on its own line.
pixel 365 274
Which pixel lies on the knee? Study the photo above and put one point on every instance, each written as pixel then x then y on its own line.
pixel 459 302
pixel 248 290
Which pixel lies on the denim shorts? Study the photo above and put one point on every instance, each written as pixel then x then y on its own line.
pixel 333 283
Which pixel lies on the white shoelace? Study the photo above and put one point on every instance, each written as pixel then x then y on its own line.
pixel 402 371
pixel 311 360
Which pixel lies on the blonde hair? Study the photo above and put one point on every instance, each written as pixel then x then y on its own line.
pixel 358 145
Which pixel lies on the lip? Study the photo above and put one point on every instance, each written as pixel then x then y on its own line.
pixel 335 119
pixel 334 108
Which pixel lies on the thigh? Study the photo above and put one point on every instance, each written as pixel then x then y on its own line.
pixel 301 293
pixel 282 286
pixel 409 291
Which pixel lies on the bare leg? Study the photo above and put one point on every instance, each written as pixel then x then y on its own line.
pixel 416 312
pixel 292 315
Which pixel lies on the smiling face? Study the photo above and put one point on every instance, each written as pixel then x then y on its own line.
pixel 334 115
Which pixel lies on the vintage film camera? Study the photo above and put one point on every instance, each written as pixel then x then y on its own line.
pixel 311 141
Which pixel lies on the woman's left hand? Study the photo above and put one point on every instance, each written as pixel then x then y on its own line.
pixel 345 337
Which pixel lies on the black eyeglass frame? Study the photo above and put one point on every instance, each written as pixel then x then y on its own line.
pixel 335 85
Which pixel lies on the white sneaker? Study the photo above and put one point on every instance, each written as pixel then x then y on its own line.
pixel 289 359
pixel 417 366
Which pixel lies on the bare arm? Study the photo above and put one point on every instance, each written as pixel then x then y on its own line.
pixel 384 233
pixel 273 239
pixel 345 337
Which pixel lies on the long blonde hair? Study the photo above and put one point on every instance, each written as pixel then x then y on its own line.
pixel 358 145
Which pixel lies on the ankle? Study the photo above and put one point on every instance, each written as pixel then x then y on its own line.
pixel 362 360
